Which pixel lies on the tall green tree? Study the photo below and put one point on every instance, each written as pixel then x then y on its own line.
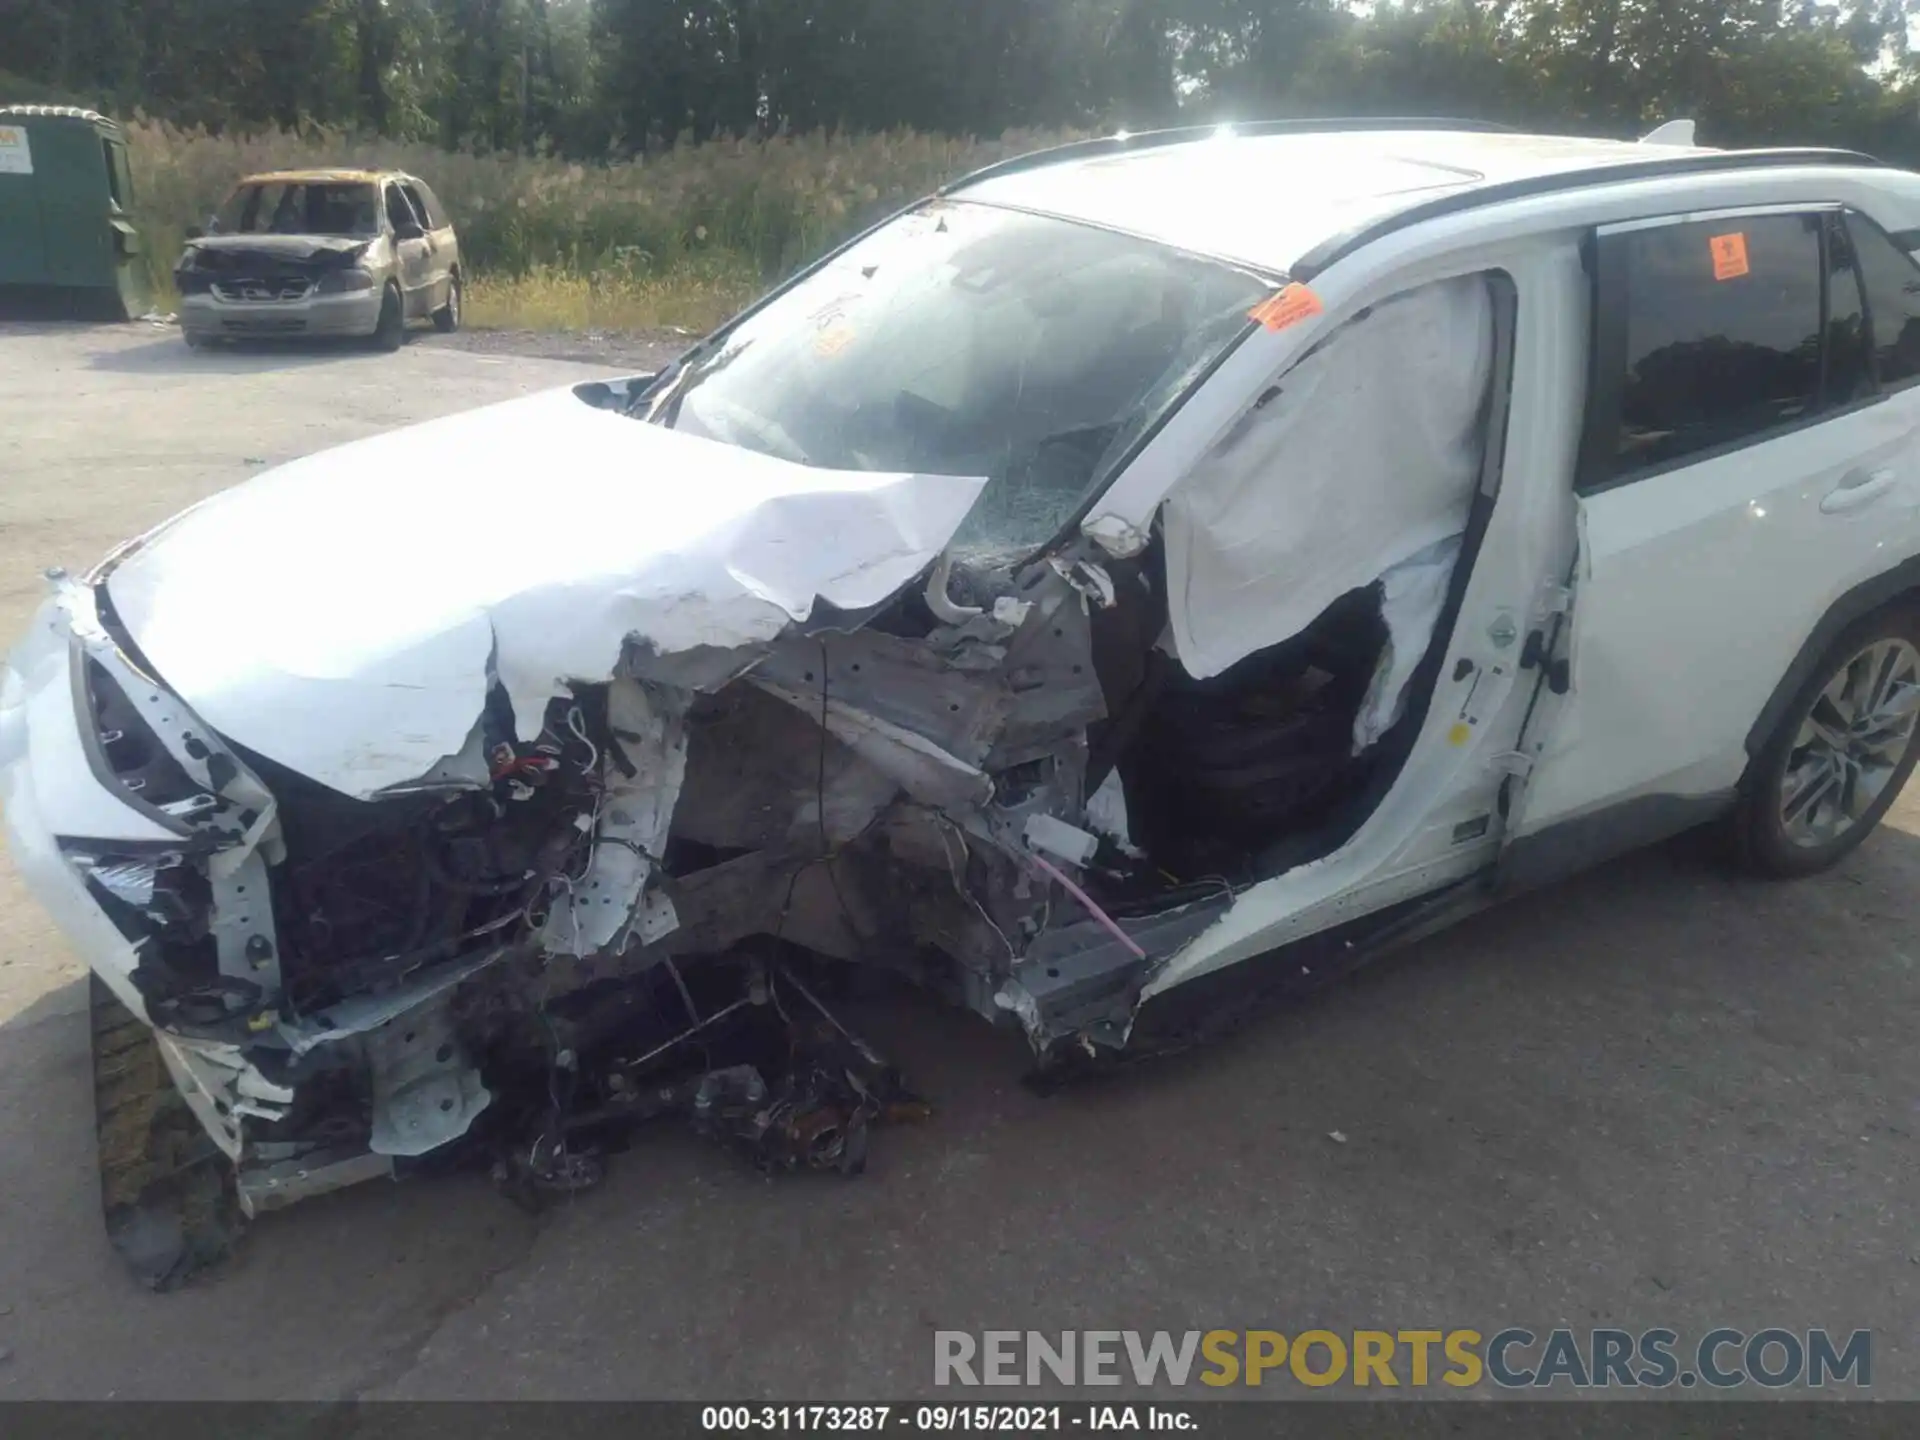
pixel 604 77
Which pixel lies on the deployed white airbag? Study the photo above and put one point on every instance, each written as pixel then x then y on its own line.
pixel 1412 595
pixel 1367 454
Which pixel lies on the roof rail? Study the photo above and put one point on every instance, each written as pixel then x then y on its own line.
pixel 1340 246
pixel 1125 143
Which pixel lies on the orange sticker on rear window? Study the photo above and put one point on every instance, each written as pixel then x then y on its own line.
pixel 1289 306
pixel 1729 255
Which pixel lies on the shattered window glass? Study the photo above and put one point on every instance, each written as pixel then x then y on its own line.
pixel 968 340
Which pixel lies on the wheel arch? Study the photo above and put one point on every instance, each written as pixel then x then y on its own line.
pixel 1900 585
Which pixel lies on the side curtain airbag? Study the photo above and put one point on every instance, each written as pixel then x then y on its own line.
pixel 1368 454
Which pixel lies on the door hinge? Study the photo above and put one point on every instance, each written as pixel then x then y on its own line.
pixel 1537 653
pixel 1534 651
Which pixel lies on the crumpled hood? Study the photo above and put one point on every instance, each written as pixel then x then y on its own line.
pixel 280 247
pixel 340 614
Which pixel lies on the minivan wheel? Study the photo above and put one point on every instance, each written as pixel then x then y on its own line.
pixel 447 318
pixel 1841 754
pixel 391 331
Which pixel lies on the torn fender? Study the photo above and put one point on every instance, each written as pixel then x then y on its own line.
pixel 342 614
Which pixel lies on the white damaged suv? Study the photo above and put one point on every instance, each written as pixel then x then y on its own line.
pixel 1144 573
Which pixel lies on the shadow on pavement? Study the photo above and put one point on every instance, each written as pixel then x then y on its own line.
pixel 167 353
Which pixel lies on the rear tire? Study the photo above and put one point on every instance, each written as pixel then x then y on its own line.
pixel 390 331
pixel 1840 755
pixel 447 318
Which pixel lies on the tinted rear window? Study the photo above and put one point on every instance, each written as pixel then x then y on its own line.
pixel 1892 283
pixel 1723 334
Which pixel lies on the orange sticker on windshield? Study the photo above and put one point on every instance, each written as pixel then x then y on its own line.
pixel 833 338
pixel 1729 255
pixel 1289 306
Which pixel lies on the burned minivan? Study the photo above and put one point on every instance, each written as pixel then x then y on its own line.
pixel 1113 587
pixel 321 253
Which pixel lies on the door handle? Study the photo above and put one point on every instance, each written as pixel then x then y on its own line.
pixel 1857 488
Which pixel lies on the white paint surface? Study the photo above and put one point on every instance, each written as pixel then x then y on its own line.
pixel 1697 588
pixel 339 614
pixel 1267 200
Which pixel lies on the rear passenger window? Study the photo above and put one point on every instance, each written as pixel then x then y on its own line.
pixel 1723 322
pixel 1849 352
pixel 1892 283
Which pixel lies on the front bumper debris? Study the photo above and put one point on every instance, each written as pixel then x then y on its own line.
pixel 210 316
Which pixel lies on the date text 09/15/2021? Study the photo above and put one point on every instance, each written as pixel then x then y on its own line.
pixel 938 1419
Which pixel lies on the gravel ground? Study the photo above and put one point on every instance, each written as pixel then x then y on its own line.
pixel 624 352
pixel 1654 1096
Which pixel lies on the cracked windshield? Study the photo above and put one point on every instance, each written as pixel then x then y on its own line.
pixel 969 340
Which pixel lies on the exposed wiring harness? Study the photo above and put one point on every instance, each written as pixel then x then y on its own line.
pixel 1106 921
pixel 960 882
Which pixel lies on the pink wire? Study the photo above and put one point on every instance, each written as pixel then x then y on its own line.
pixel 1087 900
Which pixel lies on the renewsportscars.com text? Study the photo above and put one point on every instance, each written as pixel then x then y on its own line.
pixel 1513 1358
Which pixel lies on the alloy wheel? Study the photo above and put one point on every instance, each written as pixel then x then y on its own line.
pixel 1850 744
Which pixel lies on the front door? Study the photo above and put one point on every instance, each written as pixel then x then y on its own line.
pixel 439 270
pixel 410 244
pixel 1749 456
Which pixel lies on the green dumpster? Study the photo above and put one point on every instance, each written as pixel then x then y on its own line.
pixel 67 240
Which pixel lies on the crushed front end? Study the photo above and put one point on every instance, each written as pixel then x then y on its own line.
pixel 259 287
pixel 643 909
